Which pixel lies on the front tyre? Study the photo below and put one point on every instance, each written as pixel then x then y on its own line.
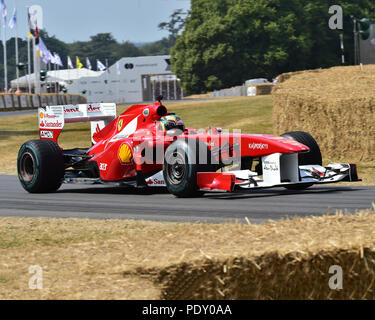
pixel 313 157
pixel 182 162
pixel 40 166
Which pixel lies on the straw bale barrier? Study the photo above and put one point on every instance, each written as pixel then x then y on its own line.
pixel 117 259
pixel 336 105
pixel 281 260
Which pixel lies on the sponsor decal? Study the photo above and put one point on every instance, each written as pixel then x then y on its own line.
pixel 71 109
pixel 103 167
pixel 97 130
pixel 125 154
pixel 146 112
pixel 156 182
pixel 46 134
pixel 120 125
pixel 47 116
pixel 56 124
pixel 258 146
pixel 93 109
pixel 321 174
pixel 270 166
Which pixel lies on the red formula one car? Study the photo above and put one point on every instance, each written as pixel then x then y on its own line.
pixel 148 147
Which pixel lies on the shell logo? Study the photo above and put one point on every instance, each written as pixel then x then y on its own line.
pixel 125 154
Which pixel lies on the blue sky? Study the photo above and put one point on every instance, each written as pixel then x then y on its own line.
pixel 77 20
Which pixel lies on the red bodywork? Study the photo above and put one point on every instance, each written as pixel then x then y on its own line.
pixel 139 125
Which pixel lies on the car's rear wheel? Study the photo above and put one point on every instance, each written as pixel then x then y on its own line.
pixel 181 165
pixel 314 156
pixel 40 166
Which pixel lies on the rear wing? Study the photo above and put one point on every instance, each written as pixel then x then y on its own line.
pixel 53 119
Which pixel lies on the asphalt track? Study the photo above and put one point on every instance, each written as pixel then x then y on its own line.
pixel 103 202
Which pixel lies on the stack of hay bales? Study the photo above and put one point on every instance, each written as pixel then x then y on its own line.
pixel 335 105
pixel 303 258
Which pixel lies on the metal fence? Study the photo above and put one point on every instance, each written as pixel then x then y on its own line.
pixel 245 91
pixel 24 101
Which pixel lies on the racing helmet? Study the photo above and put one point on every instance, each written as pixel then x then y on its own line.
pixel 170 122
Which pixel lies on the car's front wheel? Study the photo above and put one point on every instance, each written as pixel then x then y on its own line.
pixel 182 162
pixel 314 156
pixel 40 166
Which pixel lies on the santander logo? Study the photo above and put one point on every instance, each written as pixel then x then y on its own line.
pixel 155 182
pixel 56 124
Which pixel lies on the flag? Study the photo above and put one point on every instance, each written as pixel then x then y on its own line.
pixel 88 64
pixel 3 9
pixel 45 54
pixel 58 60
pixel 118 68
pixel 70 63
pixel 52 57
pixel 13 20
pixel 79 63
pixel 36 35
pixel 32 22
pixel 101 66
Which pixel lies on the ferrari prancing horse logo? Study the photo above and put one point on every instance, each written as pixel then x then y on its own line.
pixel 120 124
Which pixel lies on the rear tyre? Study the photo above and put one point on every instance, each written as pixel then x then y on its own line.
pixel 40 166
pixel 314 156
pixel 181 165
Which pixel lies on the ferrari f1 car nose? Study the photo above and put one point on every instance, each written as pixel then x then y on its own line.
pixel 261 145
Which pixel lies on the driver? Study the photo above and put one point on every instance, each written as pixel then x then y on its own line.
pixel 171 122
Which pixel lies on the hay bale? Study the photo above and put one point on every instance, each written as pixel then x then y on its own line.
pixel 335 105
pixel 278 260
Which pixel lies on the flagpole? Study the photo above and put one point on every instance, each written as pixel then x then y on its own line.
pixel 17 57
pixel 68 71
pixel 36 68
pixel 28 61
pixel 5 56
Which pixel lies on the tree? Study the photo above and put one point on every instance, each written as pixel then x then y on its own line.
pixel 226 42
pixel 128 49
pixel 174 25
pixel 161 47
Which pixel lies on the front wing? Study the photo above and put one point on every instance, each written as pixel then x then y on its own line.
pixel 277 171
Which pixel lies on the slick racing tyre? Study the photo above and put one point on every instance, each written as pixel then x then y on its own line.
pixel 40 166
pixel 314 156
pixel 181 165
